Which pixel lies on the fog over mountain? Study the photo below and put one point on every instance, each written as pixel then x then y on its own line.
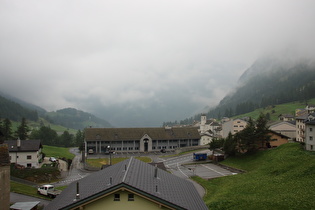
pixel 139 63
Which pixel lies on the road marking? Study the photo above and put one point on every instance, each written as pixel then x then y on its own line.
pixel 181 171
pixel 213 170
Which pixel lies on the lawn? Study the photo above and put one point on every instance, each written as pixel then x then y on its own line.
pixel 105 161
pixel 29 190
pixel 58 152
pixel 280 178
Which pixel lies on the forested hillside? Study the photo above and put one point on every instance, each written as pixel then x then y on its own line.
pixel 14 111
pixel 266 83
pixel 73 118
pixel 270 88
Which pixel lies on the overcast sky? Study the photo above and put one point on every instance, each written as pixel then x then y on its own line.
pixel 63 53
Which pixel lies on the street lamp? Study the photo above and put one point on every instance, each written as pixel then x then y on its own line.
pixel 110 156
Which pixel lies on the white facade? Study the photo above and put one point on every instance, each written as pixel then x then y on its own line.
pixel 27 159
pixel 233 126
pixel 310 136
pixel 284 128
pixel 205 139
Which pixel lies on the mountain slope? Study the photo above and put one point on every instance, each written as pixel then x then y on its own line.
pixel 14 111
pixel 73 118
pixel 260 87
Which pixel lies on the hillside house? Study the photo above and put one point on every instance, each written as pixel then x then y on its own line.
pixel 310 135
pixel 131 184
pixel 25 152
pixel 233 126
pixel 287 128
pixel 300 126
pixel 277 139
pixel 99 140
pixel 286 117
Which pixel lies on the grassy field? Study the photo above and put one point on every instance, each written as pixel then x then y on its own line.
pixel 280 178
pixel 29 190
pixel 58 152
pixel 104 161
pixel 288 108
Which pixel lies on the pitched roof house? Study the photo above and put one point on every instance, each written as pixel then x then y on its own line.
pixel 131 184
pixel 25 152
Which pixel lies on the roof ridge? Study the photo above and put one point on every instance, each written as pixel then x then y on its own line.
pixel 123 180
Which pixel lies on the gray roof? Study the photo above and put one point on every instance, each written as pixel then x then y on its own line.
pixel 26 145
pixel 138 177
pixel 160 133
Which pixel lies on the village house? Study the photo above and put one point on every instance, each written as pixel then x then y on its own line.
pixel 286 117
pixel 101 140
pixel 233 127
pixel 287 128
pixel 277 139
pixel 131 184
pixel 310 135
pixel 27 153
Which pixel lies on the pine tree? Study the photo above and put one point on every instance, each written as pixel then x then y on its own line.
pixel 22 130
pixel 6 129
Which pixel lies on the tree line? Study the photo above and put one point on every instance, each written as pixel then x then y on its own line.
pixel 47 135
pixel 249 140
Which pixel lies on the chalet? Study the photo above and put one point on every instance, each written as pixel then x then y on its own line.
pixel 25 152
pixel 99 140
pixel 131 184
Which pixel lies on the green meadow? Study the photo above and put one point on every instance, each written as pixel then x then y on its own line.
pixel 279 178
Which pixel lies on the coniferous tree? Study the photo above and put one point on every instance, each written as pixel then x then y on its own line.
pixel 262 130
pixel 230 144
pixel 6 128
pixel 22 130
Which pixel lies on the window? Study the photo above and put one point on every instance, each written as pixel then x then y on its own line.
pixel 131 197
pixel 116 197
pixel 311 138
pixel 311 147
pixel 311 129
pixel 29 165
pixel 29 157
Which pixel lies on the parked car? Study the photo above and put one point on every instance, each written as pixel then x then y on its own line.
pixel 48 190
pixel 91 151
pixel 52 159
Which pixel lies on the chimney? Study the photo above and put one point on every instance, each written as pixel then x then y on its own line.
pixel 77 196
pixel 155 171
pixel 18 143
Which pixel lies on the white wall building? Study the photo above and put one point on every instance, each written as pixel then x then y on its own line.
pixel 310 135
pixel 233 126
pixel 25 152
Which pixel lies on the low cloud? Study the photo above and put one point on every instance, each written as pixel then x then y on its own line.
pixel 134 54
